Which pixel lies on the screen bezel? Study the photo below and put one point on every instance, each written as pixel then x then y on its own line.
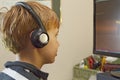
pixel 94 37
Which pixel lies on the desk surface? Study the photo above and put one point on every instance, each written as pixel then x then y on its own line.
pixel 106 76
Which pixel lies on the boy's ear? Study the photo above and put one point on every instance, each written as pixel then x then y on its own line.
pixel 30 34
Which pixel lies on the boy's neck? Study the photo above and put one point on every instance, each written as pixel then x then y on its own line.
pixel 31 58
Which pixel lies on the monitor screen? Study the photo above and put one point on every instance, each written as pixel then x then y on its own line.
pixel 107 27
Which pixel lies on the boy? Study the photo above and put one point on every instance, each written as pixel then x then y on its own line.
pixel 30 30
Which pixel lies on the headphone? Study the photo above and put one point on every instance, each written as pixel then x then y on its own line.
pixel 39 36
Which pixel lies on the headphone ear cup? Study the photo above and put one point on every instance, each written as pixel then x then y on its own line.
pixel 39 38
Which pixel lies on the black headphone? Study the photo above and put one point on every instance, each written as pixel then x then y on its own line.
pixel 39 36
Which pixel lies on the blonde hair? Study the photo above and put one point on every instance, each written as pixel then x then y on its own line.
pixel 18 24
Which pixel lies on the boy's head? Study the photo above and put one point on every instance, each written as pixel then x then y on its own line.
pixel 18 25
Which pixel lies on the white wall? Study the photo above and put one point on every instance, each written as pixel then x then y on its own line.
pixel 75 37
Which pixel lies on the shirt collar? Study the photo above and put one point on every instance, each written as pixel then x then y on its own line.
pixel 28 66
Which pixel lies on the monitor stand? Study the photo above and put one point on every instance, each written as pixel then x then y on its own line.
pixel 115 73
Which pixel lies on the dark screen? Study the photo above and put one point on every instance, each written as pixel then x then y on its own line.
pixel 107 27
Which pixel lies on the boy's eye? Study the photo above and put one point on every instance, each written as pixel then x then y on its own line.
pixel 56 35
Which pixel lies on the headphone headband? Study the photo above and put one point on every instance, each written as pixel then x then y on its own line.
pixel 39 36
pixel 32 12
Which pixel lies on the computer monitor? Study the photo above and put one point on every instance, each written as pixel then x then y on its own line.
pixel 107 27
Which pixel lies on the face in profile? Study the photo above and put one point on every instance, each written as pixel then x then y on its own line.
pixel 49 52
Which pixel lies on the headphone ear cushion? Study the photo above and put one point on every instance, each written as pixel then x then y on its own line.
pixel 39 38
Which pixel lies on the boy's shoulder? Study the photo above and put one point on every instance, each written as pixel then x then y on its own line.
pixel 9 74
pixel 4 76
